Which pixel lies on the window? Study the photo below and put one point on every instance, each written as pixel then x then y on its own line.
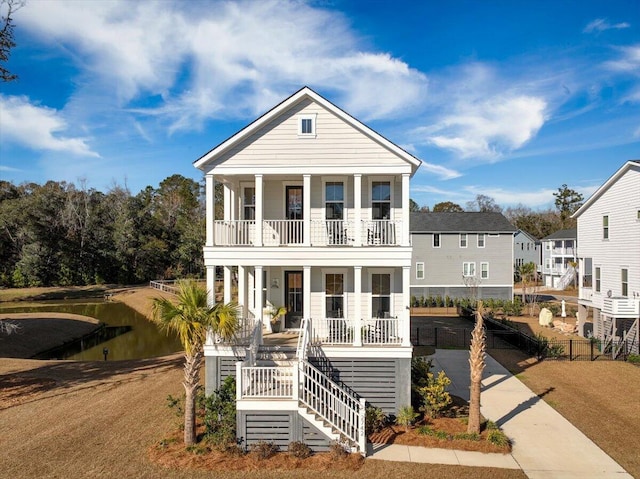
pixel 419 270
pixel 481 240
pixel 625 281
pixel 548 244
pixel 605 227
pixel 249 203
pixel 484 270
pixel 436 240
pixel 380 200
pixel 598 282
pixel 463 240
pixel 548 264
pixel 381 295
pixel 587 277
pixel 638 215
pixel 264 287
pixel 307 126
pixel 334 295
pixel 468 269
pixel 334 200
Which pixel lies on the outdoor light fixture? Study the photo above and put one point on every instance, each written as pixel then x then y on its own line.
pixel 105 352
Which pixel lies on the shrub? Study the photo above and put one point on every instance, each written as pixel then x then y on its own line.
pixel 634 358
pixel 264 449
pixel 434 395
pixel 467 436
pixel 375 419
pixel 428 431
pixel 490 425
pixel 219 410
pixel 299 449
pixel 548 348
pixel 497 438
pixel 420 368
pixel 406 417
pixel 337 450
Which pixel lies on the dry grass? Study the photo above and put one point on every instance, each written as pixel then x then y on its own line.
pixel 601 398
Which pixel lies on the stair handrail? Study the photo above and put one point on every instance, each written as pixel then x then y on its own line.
pixel 303 339
pixel 341 409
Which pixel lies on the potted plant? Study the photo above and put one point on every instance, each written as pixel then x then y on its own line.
pixel 276 314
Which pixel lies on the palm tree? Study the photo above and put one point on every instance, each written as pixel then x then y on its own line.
pixel 476 364
pixel 190 317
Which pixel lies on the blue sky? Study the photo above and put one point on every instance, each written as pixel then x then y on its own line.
pixel 510 99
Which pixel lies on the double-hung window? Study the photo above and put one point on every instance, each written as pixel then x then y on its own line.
pixel 468 268
pixel 624 277
pixel 334 295
pixel 597 279
pixel 249 203
pixel 380 200
pixel 381 295
pixel 334 200
pixel 463 240
pixel 436 240
pixel 605 227
pixel 484 270
pixel 481 240
pixel 420 270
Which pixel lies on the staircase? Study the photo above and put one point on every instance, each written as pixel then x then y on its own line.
pixel 285 373
pixel 566 279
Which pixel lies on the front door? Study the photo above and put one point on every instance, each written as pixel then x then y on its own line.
pixel 293 296
pixel 294 211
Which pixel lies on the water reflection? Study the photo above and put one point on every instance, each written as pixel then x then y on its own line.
pixel 143 341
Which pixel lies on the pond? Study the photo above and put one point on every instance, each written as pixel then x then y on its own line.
pixel 143 340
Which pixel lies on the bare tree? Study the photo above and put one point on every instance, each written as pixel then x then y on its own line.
pixel 6 36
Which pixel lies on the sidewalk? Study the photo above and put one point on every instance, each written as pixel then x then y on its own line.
pixel 545 444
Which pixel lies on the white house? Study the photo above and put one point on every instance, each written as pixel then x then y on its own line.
pixel 316 219
pixel 609 259
pixel 558 254
pixel 526 249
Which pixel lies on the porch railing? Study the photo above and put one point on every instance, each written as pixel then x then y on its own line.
pixel 281 232
pixel 374 331
pixel 249 332
pixel 266 381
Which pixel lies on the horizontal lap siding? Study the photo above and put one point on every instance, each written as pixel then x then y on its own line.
pixel 267 426
pixel 373 379
pixel 312 437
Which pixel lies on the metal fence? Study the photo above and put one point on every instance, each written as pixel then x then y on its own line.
pixel 579 349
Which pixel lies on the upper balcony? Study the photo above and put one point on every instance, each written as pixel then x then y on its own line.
pixel 332 233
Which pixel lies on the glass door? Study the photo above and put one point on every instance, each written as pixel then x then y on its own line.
pixel 293 299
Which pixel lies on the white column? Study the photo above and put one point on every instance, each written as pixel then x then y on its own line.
pixel 405 314
pixel 226 190
pixel 357 305
pixel 210 207
pixel 259 213
pixel 233 203
pixel 306 214
pixel 211 285
pixel 258 295
pixel 306 291
pixel 406 212
pixel 226 298
pixel 357 208
pixel 242 290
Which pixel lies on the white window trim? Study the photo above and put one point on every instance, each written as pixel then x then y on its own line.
pixel 345 191
pixel 597 278
pixel 307 116
pixel 439 240
pixel 421 263
pixel 607 228
pixel 466 240
pixel 624 268
pixel 243 186
pixel 377 179
pixel 345 296
pixel 283 200
pixel 484 240
pixel 464 267
pixel 392 292
pixel 481 265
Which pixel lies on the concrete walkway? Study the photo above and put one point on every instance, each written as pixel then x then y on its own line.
pixel 545 444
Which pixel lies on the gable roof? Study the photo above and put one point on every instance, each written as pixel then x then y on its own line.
pixel 528 235
pixel 570 233
pixel 300 95
pixel 463 222
pixel 607 184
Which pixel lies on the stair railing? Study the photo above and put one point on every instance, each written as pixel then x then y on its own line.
pixel 303 339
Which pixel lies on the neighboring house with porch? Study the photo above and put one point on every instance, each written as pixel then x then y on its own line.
pixel 455 252
pixel 558 254
pixel 316 219
pixel 526 249
pixel 609 260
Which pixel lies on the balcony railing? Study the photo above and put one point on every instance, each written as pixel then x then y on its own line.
pixel 342 331
pixel 621 307
pixel 333 233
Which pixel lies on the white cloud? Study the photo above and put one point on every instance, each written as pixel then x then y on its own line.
pixel 38 127
pixel 629 60
pixel 488 128
pixel 442 172
pixel 602 24
pixel 223 59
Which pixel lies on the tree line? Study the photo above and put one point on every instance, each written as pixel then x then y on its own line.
pixel 61 233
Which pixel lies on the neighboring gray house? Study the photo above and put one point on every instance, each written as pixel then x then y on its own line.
pixel 316 219
pixel 526 249
pixel 453 251
pixel 558 252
